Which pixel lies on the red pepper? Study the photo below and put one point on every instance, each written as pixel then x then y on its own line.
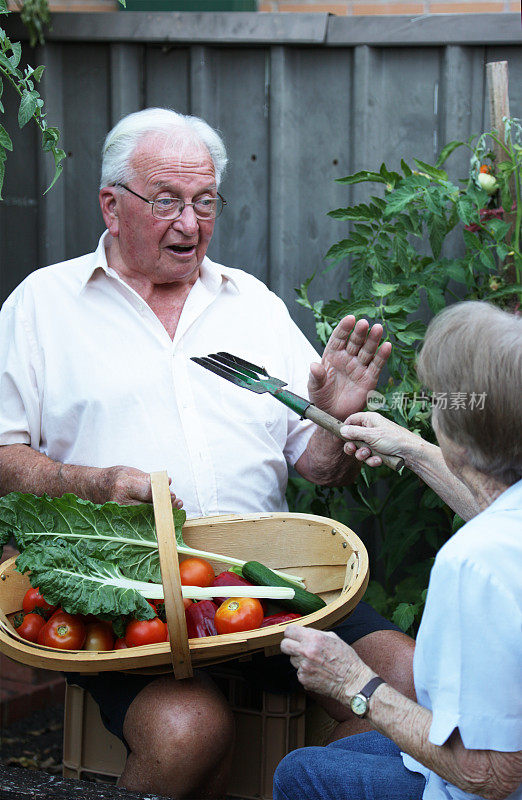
pixel 200 619
pixel 275 619
pixel 228 579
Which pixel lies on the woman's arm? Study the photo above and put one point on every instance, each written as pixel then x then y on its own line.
pixel 421 457
pixel 328 666
pixel 486 773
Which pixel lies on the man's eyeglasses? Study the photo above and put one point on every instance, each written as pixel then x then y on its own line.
pixel 172 207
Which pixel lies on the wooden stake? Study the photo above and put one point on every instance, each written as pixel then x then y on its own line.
pixel 497 76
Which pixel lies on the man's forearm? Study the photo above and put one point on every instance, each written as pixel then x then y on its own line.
pixel 325 463
pixel 426 461
pixel 23 469
pixel 482 772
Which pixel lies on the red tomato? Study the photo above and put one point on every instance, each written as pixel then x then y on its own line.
pixel 145 631
pixel 485 169
pixel 196 572
pixel 119 644
pixel 28 625
pixel 33 599
pixel 99 636
pixel 63 631
pixel 238 614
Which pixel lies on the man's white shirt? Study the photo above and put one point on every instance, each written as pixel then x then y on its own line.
pixel 89 376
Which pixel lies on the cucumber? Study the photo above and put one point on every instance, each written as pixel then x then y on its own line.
pixel 303 602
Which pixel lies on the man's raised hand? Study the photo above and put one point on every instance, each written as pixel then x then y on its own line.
pixel 350 367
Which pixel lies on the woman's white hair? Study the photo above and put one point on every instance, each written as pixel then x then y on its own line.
pixel 473 349
pixel 122 140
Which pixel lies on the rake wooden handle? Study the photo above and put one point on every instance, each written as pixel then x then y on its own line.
pixel 170 577
pixel 333 425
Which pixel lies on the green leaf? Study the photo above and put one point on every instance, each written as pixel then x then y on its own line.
pixel 458 522
pixel 457 272
pixel 467 211
pixel 124 534
pixel 37 73
pixel 16 48
pixel 5 139
pixel 436 299
pixel 437 232
pixel 505 196
pixel 81 584
pixel 383 289
pixel 376 596
pixel 362 177
pixel 399 199
pixel 405 168
pixel 446 151
pixel 513 288
pixel 433 172
pixel 404 615
pixel 487 258
pixel 3 7
pixel 58 156
pixel 28 106
pixel 412 332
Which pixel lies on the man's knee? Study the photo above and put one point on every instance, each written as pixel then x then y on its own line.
pixel 169 714
pixel 390 654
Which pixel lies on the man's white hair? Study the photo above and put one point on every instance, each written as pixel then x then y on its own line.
pixel 122 140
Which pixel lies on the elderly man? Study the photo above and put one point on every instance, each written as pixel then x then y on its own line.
pixel 97 390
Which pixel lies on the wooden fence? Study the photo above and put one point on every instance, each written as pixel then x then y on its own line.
pixel 301 99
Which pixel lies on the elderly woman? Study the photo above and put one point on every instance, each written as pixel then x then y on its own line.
pixel 463 737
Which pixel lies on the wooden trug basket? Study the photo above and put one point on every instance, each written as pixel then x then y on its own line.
pixel 328 555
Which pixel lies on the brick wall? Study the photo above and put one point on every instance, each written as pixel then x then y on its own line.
pixel 340 7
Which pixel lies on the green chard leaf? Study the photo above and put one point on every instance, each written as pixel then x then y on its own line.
pixel 122 534
pixel 81 584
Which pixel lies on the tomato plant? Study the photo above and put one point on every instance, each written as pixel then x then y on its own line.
pixel 33 599
pixel 63 631
pixel 28 625
pixel 196 572
pixel 238 614
pixel 145 631
pixel 99 636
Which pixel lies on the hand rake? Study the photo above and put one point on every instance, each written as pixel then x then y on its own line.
pixel 257 379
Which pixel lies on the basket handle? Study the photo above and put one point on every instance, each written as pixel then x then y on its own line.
pixel 169 565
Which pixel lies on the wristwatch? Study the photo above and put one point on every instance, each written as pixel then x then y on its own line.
pixel 359 702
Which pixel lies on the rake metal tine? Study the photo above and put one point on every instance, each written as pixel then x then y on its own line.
pixel 231 360
pixel 221 369
pixel 247 368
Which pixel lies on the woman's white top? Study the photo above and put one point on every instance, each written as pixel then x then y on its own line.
pixel 468 657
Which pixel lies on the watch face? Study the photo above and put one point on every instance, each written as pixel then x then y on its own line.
pixel 359 704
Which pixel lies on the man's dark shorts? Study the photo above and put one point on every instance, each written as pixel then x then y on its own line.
pixel 115 691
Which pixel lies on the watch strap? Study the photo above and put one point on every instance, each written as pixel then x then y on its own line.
pixel 371 686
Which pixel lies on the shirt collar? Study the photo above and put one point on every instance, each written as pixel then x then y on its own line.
pixel 212 275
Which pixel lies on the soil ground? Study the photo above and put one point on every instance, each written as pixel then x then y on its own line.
pixel 35 742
